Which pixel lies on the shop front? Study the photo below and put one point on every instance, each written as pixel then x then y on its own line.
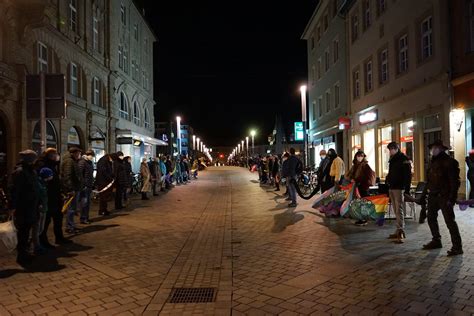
pixel 137 146
pixel 97 142
pixel 334 140
pixel 51 137
pixel 73 138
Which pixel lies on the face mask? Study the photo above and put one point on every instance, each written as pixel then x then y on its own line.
pixel 57 157
pixel 121 157
pixel 323 157
pixel 359 159
pixel 435 151
pixel 90 158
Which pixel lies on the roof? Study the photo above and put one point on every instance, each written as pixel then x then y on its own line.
pixel 141 12
pixel 312 21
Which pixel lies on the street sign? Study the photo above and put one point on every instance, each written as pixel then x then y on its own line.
pixel 54 96
pixel 299 131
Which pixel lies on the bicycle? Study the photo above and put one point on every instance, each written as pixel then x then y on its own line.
pixel 307 184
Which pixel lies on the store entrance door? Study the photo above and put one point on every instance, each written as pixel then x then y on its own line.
pixel 429 138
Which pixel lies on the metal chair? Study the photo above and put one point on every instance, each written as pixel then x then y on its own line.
pixel 416 195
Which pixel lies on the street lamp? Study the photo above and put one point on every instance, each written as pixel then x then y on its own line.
pixel 197 143
pixel 238 146
pixel 303 119
pixel 194 142
pixel 253 133
pixel 178 127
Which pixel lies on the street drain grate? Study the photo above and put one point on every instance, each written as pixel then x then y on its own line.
pixel 193 295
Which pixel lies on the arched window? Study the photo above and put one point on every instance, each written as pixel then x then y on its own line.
pixel 124 113
pixel 147 118
pixel 136 113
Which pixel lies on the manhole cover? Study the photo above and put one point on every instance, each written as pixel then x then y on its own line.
pixel 193 295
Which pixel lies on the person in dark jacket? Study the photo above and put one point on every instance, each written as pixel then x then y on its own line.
pixel 276 172
pixel 104 182
pixel 50 159
pixel 72 184
pixel 399 182
pixel 153 167
pixel 443 186
pixel 24 201
pixel 121 179
pixel 470 174
pixel 289 172
pixel 86 168
pixel 324 169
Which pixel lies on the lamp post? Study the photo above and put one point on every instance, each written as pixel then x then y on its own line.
pixel 252 133
pixel 247 141
pixel 303 119
pixel 194 142
pixel 178 127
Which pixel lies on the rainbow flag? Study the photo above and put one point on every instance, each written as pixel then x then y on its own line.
pixel 380 201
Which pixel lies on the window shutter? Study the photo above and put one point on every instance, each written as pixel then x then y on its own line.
pixel 84 84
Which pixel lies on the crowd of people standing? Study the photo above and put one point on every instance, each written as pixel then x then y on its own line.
pixel 48 187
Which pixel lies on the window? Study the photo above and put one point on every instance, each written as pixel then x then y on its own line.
pixel 326 60
pixel 145 44
pixel 147 118
pixel 314 110
pixel 367 14
pixel 95 33
pixel 312 42
pixel 144 79
pixel 123 14
pixel 319 68
pixel 471 24
pixel 74 88
pixel 96 99
pixel 42 57
pixel 355 27
pixel 318 33
pixel 403 54
pixel 337 97
pixel 356 84
pixel 335 50
pixel 335 7
pixel 313 75
pixel 328 101
pixel 123 107
pixel 120 56
pixel 427 38
pixel 136 113
pixel 135 31
pixel 73 15
pixel 320 107
pixel 368 76
pixel 381 6
pixel 125 60
pixel 383 66
pixel 325 22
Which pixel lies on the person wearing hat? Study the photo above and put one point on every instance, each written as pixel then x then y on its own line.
pixel 399 182
pixel 86 169
pixel 72 184
pixel 24 201
pixel 443 185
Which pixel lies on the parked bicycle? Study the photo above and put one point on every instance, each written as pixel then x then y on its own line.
pixel 307 184
pixel 137 183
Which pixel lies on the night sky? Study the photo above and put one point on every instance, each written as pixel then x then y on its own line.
pixel 227 67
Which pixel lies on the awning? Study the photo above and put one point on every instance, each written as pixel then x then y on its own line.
pixel 120 133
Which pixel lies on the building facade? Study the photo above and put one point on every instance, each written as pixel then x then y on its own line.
pixel 327 79
pixel 73 38
pixel 398 64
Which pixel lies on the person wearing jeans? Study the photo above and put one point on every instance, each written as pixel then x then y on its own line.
pixel 289 171
pixel 86 168
pixel 399 182
pixel 71 184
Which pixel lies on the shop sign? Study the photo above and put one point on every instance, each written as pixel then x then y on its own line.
pixel 328 140
pixel 317 142
pixel 368 117
pixel 299 131
pixel 406 139
pixel 385 141
pixel 344 123
pixel 73 137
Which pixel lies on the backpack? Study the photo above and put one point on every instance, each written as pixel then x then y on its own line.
pixel 299 167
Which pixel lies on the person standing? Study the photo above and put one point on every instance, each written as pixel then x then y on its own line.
pixel 323 172
pixel 86 168
pixel 276 172
pixel 399 182
pixel 72 184
pixel 153 167
pixel 104 182
pixel 24 202
pixel 45 175
pixel 443 185
pixel 50 159
pixel 289 171
pixel 146 176
pixel 127 163
pixel 121 179
pixel 470 174
pixel 338 168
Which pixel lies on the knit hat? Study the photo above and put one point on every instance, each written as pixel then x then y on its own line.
pixel 46 173
pixel 28 156
pixel 74 149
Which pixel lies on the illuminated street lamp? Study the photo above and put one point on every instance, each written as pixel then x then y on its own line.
pixel 194 142
pixel 178 127
pixel 198 140
pixel 303 89
pixel 253 133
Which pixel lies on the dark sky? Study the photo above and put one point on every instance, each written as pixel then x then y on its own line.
pixel 227 67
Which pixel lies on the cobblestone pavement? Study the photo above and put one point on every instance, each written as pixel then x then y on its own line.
pixel 225 231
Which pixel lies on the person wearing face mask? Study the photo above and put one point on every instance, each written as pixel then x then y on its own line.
pixel 443 185
pixel 24 201
pixel 398 181
pixel 86 168
pixel 324 169
pixel 338 168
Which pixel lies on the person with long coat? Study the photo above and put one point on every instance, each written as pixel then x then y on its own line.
pixel 104 182
pixel 121 179
pixel 146 176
